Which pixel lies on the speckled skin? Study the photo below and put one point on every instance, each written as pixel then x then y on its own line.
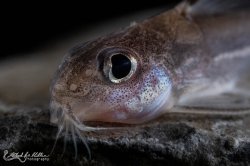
pixel 172 50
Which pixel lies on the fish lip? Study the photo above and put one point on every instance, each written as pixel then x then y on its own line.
pixel 97 112
pixel 105 113
pixel 121 115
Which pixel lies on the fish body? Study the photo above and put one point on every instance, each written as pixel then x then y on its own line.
pixel 183 56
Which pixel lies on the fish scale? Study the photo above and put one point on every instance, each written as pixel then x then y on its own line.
pixel 195 55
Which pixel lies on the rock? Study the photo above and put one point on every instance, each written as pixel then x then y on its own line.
pixel 173 139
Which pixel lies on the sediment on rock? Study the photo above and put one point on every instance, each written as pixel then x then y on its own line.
pixel 174 139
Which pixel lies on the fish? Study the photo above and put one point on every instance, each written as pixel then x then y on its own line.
pixel 196 55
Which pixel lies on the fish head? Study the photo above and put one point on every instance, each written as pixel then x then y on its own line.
pixel 117 78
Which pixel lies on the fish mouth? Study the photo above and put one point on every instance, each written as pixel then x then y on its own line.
pixel 100 112
pixel 121 114
pixel 97 111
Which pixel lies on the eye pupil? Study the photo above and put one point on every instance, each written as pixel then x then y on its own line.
pixel 121 66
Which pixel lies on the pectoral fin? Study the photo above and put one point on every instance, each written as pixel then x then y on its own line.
pixel 233 95
pixel 226 101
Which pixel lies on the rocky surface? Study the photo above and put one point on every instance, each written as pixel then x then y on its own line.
pixel 174 139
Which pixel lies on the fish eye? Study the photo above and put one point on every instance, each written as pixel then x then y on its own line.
pixel 122 67
pixel 118 65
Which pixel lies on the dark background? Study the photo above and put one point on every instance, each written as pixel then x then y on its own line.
pixel 28 26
